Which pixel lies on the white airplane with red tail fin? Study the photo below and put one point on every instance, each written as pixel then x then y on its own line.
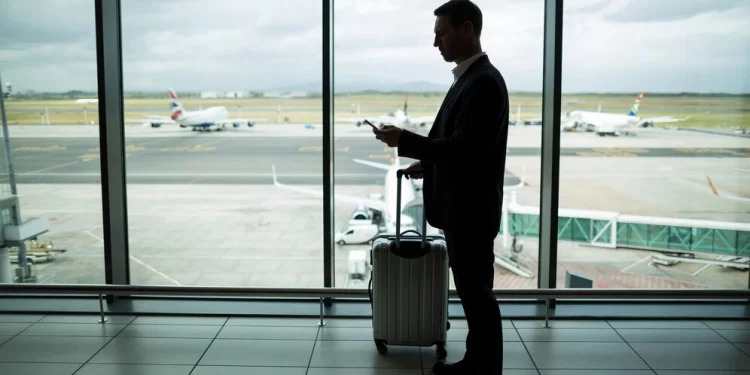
pixel 202 120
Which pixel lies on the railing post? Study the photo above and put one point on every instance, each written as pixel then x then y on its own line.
pixel 321 323
pixel 546 313
pixel 102 319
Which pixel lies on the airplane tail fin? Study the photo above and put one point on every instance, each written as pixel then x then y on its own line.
pixel 713 188
pixel 177 111
pixel 636 104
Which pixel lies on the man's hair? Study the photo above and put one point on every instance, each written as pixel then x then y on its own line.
pixel 460 11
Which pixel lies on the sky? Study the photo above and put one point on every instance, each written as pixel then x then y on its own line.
pixel 254 45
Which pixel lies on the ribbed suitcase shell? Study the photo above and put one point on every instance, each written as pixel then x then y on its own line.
pixel 410 296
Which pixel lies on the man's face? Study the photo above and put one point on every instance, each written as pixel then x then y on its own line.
pixel 447 38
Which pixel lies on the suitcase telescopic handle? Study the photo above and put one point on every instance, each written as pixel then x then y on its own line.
pixel 399 174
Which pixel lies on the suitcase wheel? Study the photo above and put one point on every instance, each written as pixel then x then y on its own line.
pixel 441 352
pixel 380 344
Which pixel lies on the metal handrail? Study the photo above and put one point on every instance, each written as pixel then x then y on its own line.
pixel 169 290
pixel 321 293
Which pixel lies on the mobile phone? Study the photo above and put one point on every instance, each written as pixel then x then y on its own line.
pixel 373 126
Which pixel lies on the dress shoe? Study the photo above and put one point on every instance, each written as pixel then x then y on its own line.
pixel 458 368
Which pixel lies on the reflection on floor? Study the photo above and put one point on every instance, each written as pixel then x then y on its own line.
pixel 136 345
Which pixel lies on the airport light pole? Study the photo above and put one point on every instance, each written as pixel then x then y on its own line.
pixel 12 181
pixel 6 141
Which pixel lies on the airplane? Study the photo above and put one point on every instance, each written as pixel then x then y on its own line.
pixel 612 123
pixel 201 120
pixel 399 117
pixel 411 205
pixel 87 101
pixel 411 210
pixel 724 195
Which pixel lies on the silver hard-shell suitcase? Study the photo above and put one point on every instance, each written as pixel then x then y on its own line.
pixel 409 282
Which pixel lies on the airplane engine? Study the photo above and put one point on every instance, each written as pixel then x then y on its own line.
pixel 423 124
pixel 155 124
pixel 359 123
pixel 647 124
pixel 250 124
pixel 236 124
pixel 361 213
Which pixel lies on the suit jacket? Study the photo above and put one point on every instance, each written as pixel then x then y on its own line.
pixel 464 154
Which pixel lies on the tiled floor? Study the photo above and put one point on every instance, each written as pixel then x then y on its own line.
pixel 65 345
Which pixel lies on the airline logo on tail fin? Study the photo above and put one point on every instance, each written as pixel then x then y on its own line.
pixel 713 188
pixel 174 103
pixel 636 104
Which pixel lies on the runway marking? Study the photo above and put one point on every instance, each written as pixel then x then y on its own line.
pixel 196 148
pixel 89 157
pixel 50 168
pixel 380 156
pixel 713 151
pixel 191 174
pixel 320 149
pixel 127 148
pixel 133 258
pixel 613 152
pixel 639 261
pixel 39 148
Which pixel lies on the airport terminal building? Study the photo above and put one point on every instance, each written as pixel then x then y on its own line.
pixel 146 233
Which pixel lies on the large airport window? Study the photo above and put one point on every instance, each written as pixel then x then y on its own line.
pixel 50 181
pixel 222 99
pixel 654 165
pixel 387 71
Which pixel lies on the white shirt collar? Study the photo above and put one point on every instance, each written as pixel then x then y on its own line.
pixel 461 68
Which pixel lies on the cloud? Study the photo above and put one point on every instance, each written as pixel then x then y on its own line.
pixel 670 10
pixel 22 23
pixel 586 6
pixel 228 45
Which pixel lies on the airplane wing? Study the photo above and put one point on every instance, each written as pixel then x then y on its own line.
pixel 664 119
pixel 373 164
pixel 231 121
pixel 425 119
pixel 370 203
pixel 360 120
pixel 150 119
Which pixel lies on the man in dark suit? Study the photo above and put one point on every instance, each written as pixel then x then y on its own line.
pixel 462 161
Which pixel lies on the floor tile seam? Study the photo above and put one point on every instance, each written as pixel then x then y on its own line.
pixel 631 348
pixel 312 353
pixel 515 328
pixel 103 346
pixel 208 346
pixel 729 341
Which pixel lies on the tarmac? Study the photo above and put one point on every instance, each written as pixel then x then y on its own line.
pixel 203 211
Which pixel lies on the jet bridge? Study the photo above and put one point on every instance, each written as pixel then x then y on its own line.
pixel 674 238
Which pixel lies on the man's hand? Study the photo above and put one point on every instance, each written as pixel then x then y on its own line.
pixel 414 171
pixel 388 134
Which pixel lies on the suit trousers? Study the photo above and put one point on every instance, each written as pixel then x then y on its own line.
pixel 472 259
